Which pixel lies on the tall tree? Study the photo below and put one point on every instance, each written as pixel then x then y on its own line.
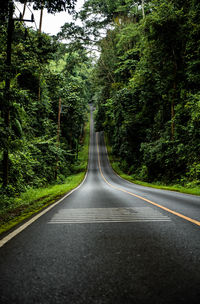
pixel 7 14
pixel 144 107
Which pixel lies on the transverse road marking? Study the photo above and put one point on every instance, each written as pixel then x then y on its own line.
pixel 11 235
pixel 140 197
pixel 108 215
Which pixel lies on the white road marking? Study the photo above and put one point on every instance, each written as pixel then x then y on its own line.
pixel 24 226
pixel 108 215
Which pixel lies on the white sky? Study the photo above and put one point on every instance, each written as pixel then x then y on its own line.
pixel 51 23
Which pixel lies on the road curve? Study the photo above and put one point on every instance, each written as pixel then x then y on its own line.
pixel 110 241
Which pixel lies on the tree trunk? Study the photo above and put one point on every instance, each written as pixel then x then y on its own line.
pixel 41 18
pixel 58 136
pixel 6 107
pixel 39 31
pixel 143 13
pixel 24 9
pixel 172 116
pixel 173 98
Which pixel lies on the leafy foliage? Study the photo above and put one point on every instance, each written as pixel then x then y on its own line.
pixel 42 147
pixel 147 84
pixel 53 5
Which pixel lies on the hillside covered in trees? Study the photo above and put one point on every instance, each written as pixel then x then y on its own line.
pixel 137 61
pixel 147 86
pixel 44 94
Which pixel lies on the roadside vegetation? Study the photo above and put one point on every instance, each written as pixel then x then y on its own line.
pixel 115 163
pixel 44 95
pixel 146 85
pixel 14 210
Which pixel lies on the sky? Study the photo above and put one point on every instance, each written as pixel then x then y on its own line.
pixel 51 23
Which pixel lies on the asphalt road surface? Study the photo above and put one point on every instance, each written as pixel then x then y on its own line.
pixel 110 241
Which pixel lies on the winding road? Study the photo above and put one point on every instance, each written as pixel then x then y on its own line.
pixel 109 241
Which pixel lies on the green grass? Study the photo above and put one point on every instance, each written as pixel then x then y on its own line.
pixel 115 163
pixel 34 200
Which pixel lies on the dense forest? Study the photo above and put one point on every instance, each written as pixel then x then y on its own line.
pixel 137 61
pixel 146 85
pixel 44 92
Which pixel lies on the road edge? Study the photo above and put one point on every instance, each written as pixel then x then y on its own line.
pixel 16 231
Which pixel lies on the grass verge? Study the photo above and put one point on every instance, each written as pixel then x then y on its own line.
pixel 115 163
pixel 34 200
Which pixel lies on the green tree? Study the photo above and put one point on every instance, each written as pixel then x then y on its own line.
pixel 21 73
pixel 144 106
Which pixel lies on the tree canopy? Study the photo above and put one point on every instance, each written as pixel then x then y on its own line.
pixel 147 87
pixel 44 93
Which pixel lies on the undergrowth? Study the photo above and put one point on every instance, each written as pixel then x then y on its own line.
pixel 14 210
pixel 115 163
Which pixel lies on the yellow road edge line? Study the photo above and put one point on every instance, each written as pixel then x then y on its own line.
pixel 140 197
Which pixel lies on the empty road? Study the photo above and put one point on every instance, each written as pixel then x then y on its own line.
pixel 109 241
